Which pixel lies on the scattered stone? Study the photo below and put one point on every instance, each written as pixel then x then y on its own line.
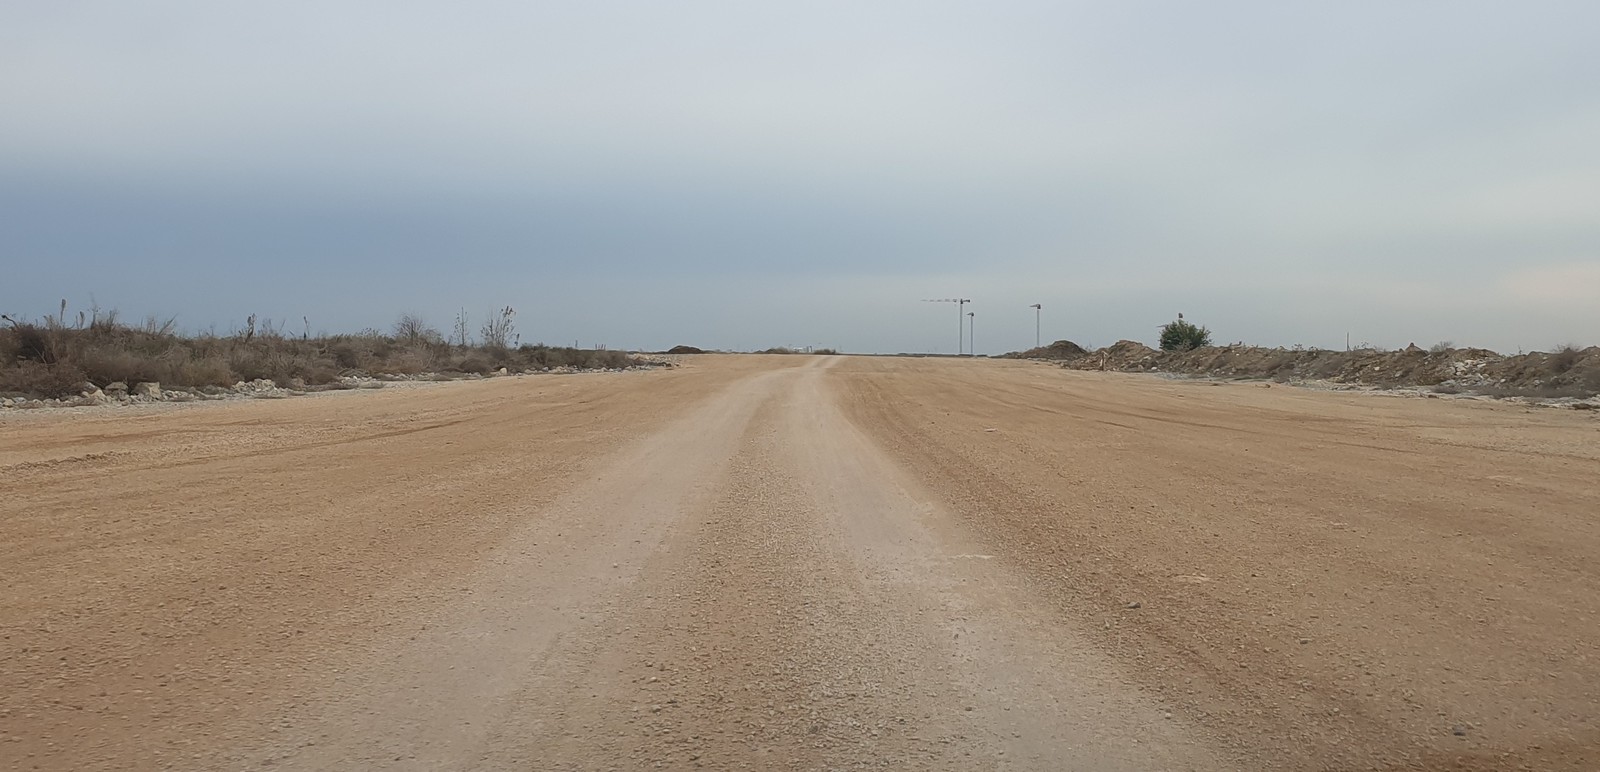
pixel 148 390
pixel 1135 604
pixel 117 389
pixel 1459 730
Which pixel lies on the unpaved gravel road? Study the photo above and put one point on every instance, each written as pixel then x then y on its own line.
pixel 803 563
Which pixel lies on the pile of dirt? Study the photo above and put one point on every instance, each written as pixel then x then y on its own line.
pixel 1124 355
pixel 1568 373
pixel 1061 349
pixel 685 350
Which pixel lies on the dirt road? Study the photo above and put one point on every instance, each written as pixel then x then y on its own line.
pixel 803 563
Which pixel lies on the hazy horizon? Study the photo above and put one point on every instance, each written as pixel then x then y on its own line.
pixel 740 177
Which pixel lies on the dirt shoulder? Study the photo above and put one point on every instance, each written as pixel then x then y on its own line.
pixel 176 571
pixel 1327 581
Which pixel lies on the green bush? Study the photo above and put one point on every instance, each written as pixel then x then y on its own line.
pixel 1183 336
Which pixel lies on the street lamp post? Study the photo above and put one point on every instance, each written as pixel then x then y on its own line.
pixel 961 304
pixel 972 333
pixel 1037 341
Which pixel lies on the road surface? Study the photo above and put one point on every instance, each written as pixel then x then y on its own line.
pixel 794 562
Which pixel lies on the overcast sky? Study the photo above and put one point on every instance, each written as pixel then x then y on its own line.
pixel 744 175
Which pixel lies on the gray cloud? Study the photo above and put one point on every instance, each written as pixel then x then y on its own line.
pixel 729 174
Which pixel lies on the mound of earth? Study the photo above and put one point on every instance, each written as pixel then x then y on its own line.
pixel 685 350
pixel 1567 373
pixel 1060 350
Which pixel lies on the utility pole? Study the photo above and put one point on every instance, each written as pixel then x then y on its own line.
pixel 1037 308
pixel 972 331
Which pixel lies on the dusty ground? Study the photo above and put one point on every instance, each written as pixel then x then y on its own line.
pixel 794 562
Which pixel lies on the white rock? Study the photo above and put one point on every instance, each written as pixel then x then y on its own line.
pixel 151 390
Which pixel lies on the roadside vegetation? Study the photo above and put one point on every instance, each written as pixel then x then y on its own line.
pixel 1564 372
pixel 1180 335
pixel 61 355
pixel 788 350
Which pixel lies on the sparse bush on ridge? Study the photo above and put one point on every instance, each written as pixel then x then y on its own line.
pixel 1564 358
pixel 59 357
pixel 500 330
pixel 411 328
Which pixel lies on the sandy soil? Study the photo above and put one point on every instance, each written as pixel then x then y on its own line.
pixel 806 563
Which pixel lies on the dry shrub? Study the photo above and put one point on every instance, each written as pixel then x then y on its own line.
pixel 210 371
pixel 377 348
pixel 42 380
pixel 321 376
pixel 409 362
pixel 55 358
pixel 103 366
pixel 535 357
pixel 284 366
pixel 248 364
pixel 474 363
pixel 1564 359
pixel 29 341
pixel 347 355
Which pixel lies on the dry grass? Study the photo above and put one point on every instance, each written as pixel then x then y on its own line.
pixel 58 356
